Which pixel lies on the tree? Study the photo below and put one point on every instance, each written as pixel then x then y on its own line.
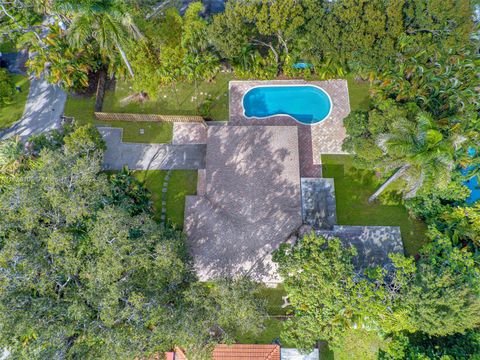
pixel 328 295
pixel 60 62
pixel 359 35
pixel 103 22
pixel 443 297
pixel 421 346
pixel 270 25
pixel 419 153
pixel 86 272
pixel 180 54
pixel 438 295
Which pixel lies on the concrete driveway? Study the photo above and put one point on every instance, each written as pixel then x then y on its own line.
pixel 44 107
pixel 150 156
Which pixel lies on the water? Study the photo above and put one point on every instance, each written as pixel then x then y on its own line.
pixel 471 183
pixel 305 103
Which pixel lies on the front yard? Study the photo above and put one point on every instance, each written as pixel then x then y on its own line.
pixel 181 184
pixel 81 108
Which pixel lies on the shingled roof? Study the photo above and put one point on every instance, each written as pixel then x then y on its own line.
pixel 251 204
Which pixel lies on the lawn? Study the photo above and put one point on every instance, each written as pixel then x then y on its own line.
pixel 352 189
pixel 14 111
pixel 181 184
pixel 169 102
pixel 81 108
pixel 358 93
pixel 273 325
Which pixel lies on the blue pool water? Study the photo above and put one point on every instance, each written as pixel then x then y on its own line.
pixel 472 183
pixel 307 104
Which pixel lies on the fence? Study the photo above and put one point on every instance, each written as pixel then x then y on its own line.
pixel 102 116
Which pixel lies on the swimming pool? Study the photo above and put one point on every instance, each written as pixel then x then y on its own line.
pixel 472 182
pixel 308 104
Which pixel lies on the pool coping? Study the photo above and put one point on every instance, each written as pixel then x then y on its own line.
pixel 288 115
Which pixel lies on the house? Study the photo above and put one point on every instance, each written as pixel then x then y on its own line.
pixel 262 186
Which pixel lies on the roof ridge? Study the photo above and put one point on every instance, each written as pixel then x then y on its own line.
pixel 274 352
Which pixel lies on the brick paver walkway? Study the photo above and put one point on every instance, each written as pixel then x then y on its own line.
pixel 189 133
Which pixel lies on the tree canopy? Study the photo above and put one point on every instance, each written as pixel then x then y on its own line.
pixel 87 273
pixel 333 301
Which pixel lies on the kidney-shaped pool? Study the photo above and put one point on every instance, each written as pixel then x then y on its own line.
pixel 308 104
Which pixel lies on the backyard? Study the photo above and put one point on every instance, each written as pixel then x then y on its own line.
pixel 179 102
pixel 352 189
pixel 13 111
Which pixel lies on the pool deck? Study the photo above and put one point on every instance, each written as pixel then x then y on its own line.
pixel 325 137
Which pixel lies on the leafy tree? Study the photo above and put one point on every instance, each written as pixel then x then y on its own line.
pixel 439 295
pixel 7 87
pixel 448 23
pixel 271 25
pixel 230 33
pixel 60 62
pixel 421 346
pixel 443 297
pixel 86 272
pixel 360 35
pixel 326 293
pixel 181 53
pixel 440 82
pixel 105 23
pixel 368 36
pixel 12 157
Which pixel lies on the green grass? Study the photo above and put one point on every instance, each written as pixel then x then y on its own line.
pixel 181 184
pixel 273 325
pixel 8 47
pixel 358 93
pixel 352 189
pixel 183 103
pixel 14 111
pixel 81 108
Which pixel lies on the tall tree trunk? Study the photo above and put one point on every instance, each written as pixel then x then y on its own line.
pixel 125 60
pixel 391 179
pixel 101 87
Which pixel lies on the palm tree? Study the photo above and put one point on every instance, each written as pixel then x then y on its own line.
pixel 419 153
pixel 103 22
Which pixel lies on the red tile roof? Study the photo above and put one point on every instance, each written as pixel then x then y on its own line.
pixel 246 352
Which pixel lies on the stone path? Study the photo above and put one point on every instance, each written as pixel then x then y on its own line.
pixel 44 107
pixel 150 156
pixel 163 216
